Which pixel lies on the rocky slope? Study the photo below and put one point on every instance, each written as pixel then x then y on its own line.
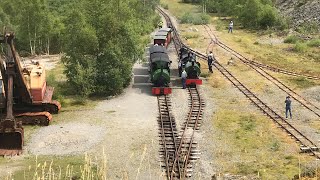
pixel 300 11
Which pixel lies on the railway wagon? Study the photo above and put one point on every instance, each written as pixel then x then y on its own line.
pixel 169 36
pixel 162 37
pixel 188 61
pixel 159 70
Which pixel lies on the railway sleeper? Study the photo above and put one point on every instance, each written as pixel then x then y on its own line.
pixel 168 132
pixel 305 149
pixel 167 126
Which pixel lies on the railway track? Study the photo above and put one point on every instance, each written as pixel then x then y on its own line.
pixel 254 63
pixel 304 102
pixel 306 145
pixel 187 152
pixel 180 164
pixel 168 134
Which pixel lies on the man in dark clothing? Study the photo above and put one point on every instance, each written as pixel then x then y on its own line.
pixel 210 61
pixel 288 106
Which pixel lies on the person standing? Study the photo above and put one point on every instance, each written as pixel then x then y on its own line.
pixel 184 78
pixel 288 106
pixel 160 24
pixel 210 61
pixel 230 27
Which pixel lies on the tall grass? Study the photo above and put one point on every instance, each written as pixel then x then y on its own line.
pixel 291 39
pixel 300 47
pixel 92 168
pixel 314 43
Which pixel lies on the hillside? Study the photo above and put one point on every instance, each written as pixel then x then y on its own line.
pixel 301 12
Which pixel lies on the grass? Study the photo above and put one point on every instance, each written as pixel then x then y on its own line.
pixel 291 39
pixel 191 35
pixel 254 146
pixel 302 82
pixel 300 47
pixel 58 168
pixel 314 43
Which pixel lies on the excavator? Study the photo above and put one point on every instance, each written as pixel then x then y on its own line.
pixel 25 98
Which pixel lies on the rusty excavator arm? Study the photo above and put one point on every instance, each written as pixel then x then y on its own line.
pixel 11 131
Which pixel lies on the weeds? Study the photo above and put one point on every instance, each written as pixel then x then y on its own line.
pixel 165 6
pixel 302 82
pixel 275 146
pixel 314 43
pixel 89 168
pixel 300 47
pixel 196 19
pixel 247 123
pixel 291 39
pixel 191 35
pixel 204 74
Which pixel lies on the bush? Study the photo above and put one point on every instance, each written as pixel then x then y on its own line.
pixel 300 47
pixel 291 39
pixel 187 18
pixel 196 19
pixel 165 6
pixel 314 43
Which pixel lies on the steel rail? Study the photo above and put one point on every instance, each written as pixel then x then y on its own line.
pixel 168 134
pixel 195 110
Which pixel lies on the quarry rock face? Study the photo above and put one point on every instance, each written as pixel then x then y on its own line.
pixel 300 12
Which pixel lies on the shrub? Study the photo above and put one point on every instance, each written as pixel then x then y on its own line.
pixel 308 27
pixel 166 6
pixel 291 39
pixel 195 19
pixel 314 43
pixel 187 18
pixel 300 47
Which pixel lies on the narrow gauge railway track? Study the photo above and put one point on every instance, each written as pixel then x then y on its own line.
pixel 254 63
pixel 168 134
pixel 306 145
pixel 307 104
pixel 186 152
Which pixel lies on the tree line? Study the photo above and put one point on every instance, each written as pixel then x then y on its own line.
pixel 258 14
pixel 101 39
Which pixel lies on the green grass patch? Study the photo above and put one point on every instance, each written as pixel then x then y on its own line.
pixel 302 82
pixel 191 35
pixel 300 47
pixel 247 122
pixel 314 43
pixel 291 39
pixel 253 145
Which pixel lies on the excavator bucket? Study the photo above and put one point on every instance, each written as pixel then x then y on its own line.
pixel 11 139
